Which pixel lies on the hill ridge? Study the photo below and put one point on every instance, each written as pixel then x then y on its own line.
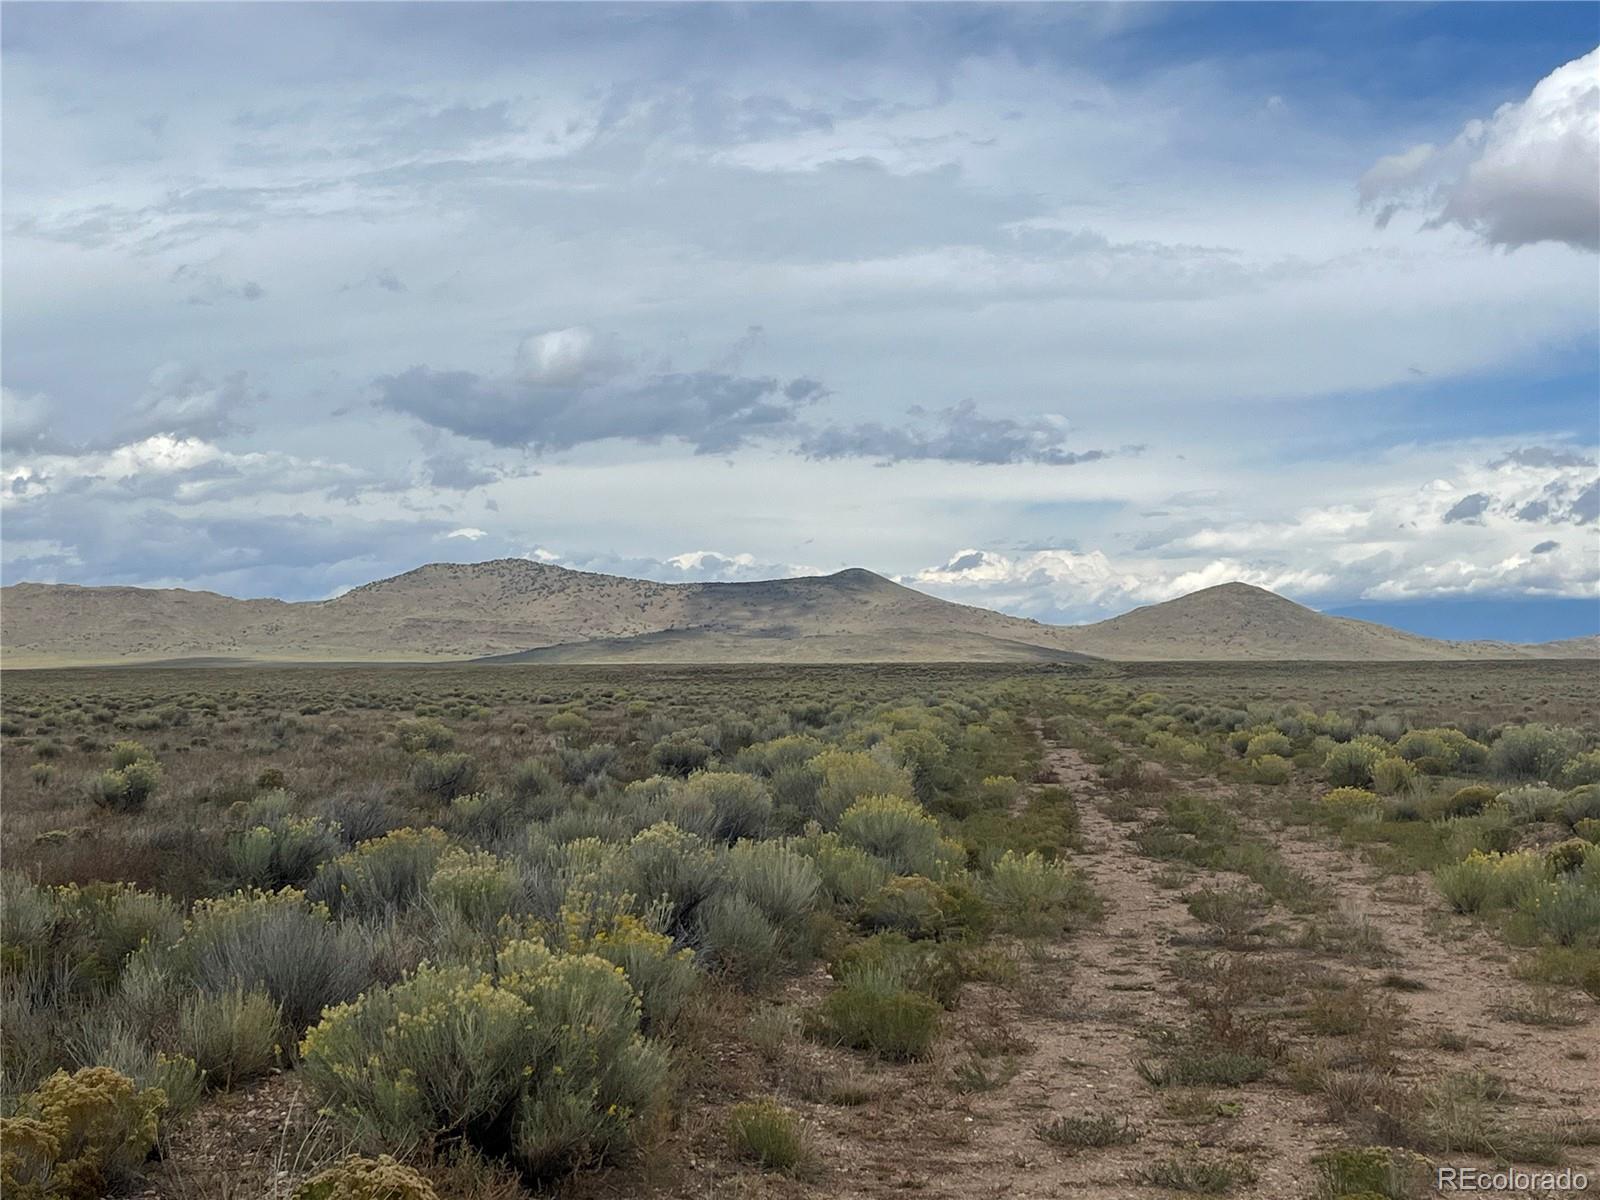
pixel 512 609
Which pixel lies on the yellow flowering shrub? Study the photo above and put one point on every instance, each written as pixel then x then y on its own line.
pixel 1349 800
pixel 480 886
pixel 358 1178
pixel 78 1136
pixel 1484 881
pixel 1392 774
pixel 662 977
pixel 895 829
pixel 382 876
pixel 550 1051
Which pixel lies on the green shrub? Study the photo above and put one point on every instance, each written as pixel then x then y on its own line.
pixel 381 877
pixel 1518 879
pixel 1533 752
pixel 544 1063
pixel 1213 1066
pixel 567 725
pixel 125 754
pixel 1568 856
pixel 741 806
pixel 921 753
pixel 1270 769
pixel 277 943
pixel 588 767
pixel 1350 764
pixel 1274 744
pixel 999 792
pixel 776 878
pixel 1419 744
pixel 849 874
pixel 283 851
pixel 738 941
pixel 358 1178
pixel 931 968
pixel 895 829
pixel 1467 802
pixel 78 1136
pixel 1581 804
pixel 1391 775
pixel 679 754
pixel 910 904
pixel 1568 912
pixel 1193 1171
pixel 848 776
pixel 795 792
pixel 106 922
pixel 677 867
pixel 423 735
pixel 232 1036
pixel 1582 769
pixel 872 1010
pixel 533 780
pixel 663 978
pixel 478 887
pixel 764 1132
pixel 483 818
pixel 126 789
pixel 1468 885
pixel 443 777
pixel 1349 801
pixel 1032 896
pixel 1088 1132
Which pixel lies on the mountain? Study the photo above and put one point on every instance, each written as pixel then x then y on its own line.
pixel 1235 621
pixel 512 610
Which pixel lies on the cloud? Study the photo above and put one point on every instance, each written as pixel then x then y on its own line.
pixel 1527 174
pixel 456 472
pixel 694 566
pixel 710 410
pixel 570 387
pixel 1540 456
pixel 24 420
pixel 469 533
pixel 1468 508
pixel 180 470
pixel 207 287
pixel 955 434
pixel 183 400
pixel 1546 547
pixel 241 555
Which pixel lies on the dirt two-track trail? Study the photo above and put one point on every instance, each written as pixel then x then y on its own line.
pixel 1080 1024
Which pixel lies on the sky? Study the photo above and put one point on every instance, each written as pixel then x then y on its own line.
pixel 1055 309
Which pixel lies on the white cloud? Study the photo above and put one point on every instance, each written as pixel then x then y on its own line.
pixel 693 566
pixel 185 470
pixel 1530 173
pixel 469 533
pixel 1484 530
pixel 566 357
pixel 182 399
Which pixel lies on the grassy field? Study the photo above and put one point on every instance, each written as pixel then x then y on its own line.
pixel 1272 930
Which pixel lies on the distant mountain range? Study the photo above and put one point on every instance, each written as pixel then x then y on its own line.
pixel 513 610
